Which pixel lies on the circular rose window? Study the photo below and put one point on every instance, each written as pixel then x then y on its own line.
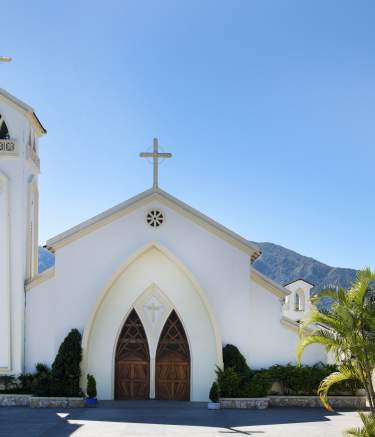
pixel 155 218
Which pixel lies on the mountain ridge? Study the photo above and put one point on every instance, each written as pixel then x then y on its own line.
pixel 285 265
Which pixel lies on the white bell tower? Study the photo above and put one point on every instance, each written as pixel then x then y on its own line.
pixel 20 130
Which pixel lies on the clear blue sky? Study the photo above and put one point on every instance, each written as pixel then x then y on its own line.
pixel 267 106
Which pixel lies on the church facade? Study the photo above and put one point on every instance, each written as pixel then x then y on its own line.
pixel 155 287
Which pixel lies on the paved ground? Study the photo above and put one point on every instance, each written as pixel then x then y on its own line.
pixel 174 419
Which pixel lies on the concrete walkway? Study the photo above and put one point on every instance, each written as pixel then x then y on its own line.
pixel 175 419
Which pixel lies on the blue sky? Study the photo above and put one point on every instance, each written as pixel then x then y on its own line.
pixel 267 106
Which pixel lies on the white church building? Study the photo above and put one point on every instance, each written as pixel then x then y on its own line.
pixel 155 287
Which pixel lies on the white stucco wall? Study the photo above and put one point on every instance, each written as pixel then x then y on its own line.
pixel 17 169
pixel 41 314
pixel 247 314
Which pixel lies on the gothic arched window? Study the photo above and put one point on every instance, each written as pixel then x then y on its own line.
pixel 4 133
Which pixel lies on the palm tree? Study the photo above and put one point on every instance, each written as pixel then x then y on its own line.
pixel 347 329
pixel 368 429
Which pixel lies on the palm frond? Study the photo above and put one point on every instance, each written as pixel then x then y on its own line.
pixel 360 286
pixel 345 373
pixel 319 336
pixel 368 429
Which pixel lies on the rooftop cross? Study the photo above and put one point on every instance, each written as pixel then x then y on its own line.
pixel 155 155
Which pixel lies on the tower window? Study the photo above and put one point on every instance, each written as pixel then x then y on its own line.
pixel 299 304
pixel 4 133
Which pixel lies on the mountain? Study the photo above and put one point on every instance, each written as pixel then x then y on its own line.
pixel 278 263
pixel 284 265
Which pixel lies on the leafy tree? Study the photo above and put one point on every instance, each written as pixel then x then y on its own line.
pixel 346 329
pixel 66 370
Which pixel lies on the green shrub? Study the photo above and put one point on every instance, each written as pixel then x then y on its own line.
pixel 229 382
pixel 26 381
pixel 238 380
pixel 233 358
pixel 8 382
pixel 305 380
pixel 91 387
pixel 66 369
pixel 214 392
pixel 42 384
pixel 258 386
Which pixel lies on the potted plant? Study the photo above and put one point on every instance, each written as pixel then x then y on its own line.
pixel 91 400
pixel 214 397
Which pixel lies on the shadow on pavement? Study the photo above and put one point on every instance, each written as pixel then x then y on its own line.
pixel 15 421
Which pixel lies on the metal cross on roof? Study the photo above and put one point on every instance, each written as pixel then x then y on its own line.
pixel 155 155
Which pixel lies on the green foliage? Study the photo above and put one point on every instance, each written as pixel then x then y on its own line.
pixel 368 429
pixel 66 369
pixel 42 384
pixel 8 381
pixel 214 392
pixel 41 367
pixel 238 380
pixel 346 329
pixel 63 378
pixel 258 386
pixel 305 380
pixel 229 382
pixel 91 387
pixel 233 358
pixel 26 381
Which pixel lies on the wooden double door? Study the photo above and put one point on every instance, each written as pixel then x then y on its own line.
pixel 172 364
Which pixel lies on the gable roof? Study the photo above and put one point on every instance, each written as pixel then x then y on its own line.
pixel 299 279
pixel 26 109
pixel 141 199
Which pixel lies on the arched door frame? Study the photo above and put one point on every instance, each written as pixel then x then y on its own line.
pixel 152 337
pixel 115 370
pixel 111 282
pixel 189 352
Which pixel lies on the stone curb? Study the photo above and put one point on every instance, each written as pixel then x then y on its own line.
pixel 15 400
pixel 337 402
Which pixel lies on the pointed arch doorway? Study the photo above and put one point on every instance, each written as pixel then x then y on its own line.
pixel 132 372
pixel 172 370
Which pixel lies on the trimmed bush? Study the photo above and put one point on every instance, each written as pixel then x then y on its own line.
pixel 26 381
pixel 66 370
pixel 229 382
pixel 214 392
pixel 8 382
pixel 238 380
pixel 42 384
pixel 305 380
pixel 258 386
pixel 233 358
pixel 91 387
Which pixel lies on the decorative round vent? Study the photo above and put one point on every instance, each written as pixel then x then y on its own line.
pixel 155 218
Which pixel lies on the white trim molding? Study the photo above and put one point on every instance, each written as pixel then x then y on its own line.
pixel 144 198
pixel 270 285
pixel 5 279
pixel 40 278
